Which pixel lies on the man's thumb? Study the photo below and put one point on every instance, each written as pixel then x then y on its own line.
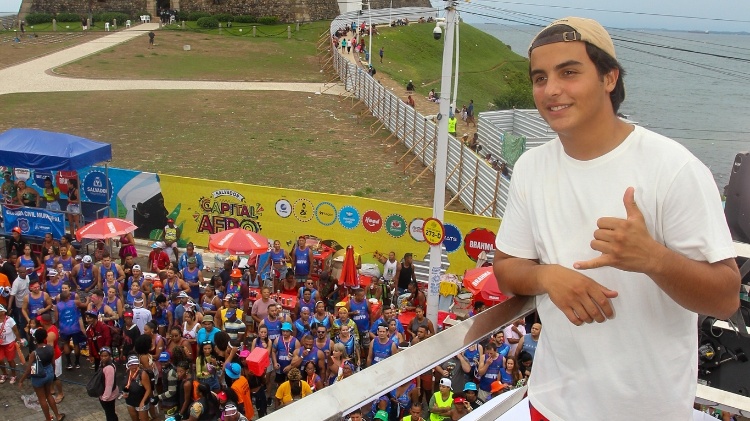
pixel 631 208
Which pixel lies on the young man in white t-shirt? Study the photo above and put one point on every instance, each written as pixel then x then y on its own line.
pixel 613 224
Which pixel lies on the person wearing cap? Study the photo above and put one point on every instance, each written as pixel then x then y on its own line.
pixel 71 324
pixel 231 413
pixel 236 287
pixel 292 390
pixel 208 331
pixel 131 330
pixel 171 237
pixel 97 335
pixel 470 391
pixel 158 260
pixel 136 276
pixel 461 406
pixel 84 276
pixel 169 398
pixel 16 243
pixel 441 402
pixel 182 263
pixel 193 276
pixel 661 247
pixel 232 324
pixel 138 389
pixel 302 259
pixel 282 350
pixel 9 335
pixel 108 399
pixel 141 315
pixel 236 379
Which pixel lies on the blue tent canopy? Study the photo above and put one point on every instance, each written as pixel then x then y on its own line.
pixel 42 150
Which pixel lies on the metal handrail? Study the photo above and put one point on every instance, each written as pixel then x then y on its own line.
pixel 332 402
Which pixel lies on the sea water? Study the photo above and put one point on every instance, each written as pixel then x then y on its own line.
pixel 705 106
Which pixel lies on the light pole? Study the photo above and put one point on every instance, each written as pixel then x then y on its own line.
pixel 455 77
pixel 369 48
pixel 441 160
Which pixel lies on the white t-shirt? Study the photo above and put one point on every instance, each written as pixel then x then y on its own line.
pixel 509 333
pixel 389 269
pixel 20 289
pixel 6 334
pixel 642 364
pixel 141 316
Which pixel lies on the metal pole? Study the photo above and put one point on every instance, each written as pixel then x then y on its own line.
pixel 441 163
pixel 455 77
pixel 369 49
pixel 389 14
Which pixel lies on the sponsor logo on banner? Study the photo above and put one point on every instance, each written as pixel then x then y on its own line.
pixel 477 241
pixel 415 229
pixel 62 178
pixel 395 225
pixel 479 280
pixel 326 213
pixel 372 221
pixel 452 240
pixel 283 208
pixel 35 222
pixel 97 187
pixel 39 177
pixel 303 210
pixel 224 210
pixel 349 217
pixel 22 174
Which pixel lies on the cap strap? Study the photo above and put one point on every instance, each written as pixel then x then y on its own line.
pixel 559 37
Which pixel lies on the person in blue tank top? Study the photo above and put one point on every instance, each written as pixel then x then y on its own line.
pixel 302 258
pixel 193 276
pixel 107 264
pixel 54 284
pixel 308 352
pixel 30 262
pixel 83 275
pixel 322 341
pixel 133 293
pixel 273 323
pixel 489 370
pixel 305 302
pixel 346 338
pixel 278 258
pixel 37 302
pixel 281 352
pixel 359 311
pixel 308 285
pixel 71 325
pixel 66 259
pixel 302 324
pixel 382 347
pixel 50 260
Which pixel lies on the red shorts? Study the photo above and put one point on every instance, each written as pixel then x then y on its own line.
pixel 8 352
pixel 535 415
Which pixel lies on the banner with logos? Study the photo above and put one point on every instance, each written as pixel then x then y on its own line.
pixel 204 207
pixel 34 222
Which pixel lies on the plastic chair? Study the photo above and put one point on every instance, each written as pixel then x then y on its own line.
pixel 127 23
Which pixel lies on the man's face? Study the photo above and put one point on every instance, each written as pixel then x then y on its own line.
pixel 309 284
pixel 34 287
pixel 265 293
pixel 106 261
pixel 129 260
pixel 110 277
pixel 500 338
pixel 407 259
pixel 391 256
pixel 536 328
pixel 321 332
pixel 273 311
pixel 170 273
pixel 209 326
pixel 421 332
pixel 301 242
pixel 387 314
pixel 48 237
pixel 382 332
pixel 568 92
pixel 471 395
pixel 16 235
pixel 307 343
pixel 355 417
pixel 415 413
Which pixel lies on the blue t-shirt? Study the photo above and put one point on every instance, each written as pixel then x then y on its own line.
pixel 204 336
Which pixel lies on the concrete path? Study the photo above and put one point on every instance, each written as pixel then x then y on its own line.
pixel 35 75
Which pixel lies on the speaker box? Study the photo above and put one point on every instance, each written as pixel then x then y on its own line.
pixel 734 375
pixel 737 192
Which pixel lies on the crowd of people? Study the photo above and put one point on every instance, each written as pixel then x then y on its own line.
pixel 183 339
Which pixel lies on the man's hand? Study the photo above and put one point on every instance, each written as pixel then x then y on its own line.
pixel 625 244
pixel 579 297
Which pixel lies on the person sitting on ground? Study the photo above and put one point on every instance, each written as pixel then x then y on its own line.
pixel 431 96
pixel 410 86
pixel 411 102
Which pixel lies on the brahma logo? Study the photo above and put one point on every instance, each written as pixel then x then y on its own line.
pixel 477 241
pixel 480 279
pixel 372 221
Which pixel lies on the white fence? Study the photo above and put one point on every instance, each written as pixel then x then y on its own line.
pixel 470 178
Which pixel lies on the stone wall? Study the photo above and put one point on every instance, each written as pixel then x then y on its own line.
pixel 382 4
pixel 132 7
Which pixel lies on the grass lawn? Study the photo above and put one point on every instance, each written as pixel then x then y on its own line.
pixel 229 55
pixel 281 139
pixel 410 52
pixel 44 43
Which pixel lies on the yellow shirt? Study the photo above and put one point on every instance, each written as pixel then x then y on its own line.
pixel 284 392
pixel 223 315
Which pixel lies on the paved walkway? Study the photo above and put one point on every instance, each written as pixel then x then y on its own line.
pixel 35 75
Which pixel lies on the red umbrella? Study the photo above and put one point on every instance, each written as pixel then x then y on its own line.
pixel 238 241
pixel 482 282
pixel 349 270
pixel 105 228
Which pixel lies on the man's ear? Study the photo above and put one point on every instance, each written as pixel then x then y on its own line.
pixel 610 79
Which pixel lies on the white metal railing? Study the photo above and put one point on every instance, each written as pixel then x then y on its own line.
pixel 470 177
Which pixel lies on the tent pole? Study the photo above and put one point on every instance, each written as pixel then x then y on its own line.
pixel 107 200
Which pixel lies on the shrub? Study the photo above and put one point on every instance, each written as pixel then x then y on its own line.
pixel 518 94
pixel 224 17
pixel 245 19
pixel 208 22
pixel 68 17
pixel 36 18
pixel 111 16
pixel 182 16
pixel 194 16
pixel 268 20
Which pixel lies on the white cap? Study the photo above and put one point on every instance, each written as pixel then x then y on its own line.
pixel 87 259
pixel 446 382
pixel 136 267
pixel 183 294
pixel 51 272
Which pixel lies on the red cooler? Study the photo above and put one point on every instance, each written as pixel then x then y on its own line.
pixel 257 361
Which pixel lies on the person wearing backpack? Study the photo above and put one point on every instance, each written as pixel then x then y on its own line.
pixel 41 369
pixel 109 390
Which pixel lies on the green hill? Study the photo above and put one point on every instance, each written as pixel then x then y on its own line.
pixel 488 69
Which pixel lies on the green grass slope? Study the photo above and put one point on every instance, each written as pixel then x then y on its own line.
pixel 487 68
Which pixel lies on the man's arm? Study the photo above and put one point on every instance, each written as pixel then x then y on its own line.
pixel 519 348
pixel 699 286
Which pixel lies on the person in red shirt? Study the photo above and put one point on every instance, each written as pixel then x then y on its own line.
pixel 158 260
pixel 53 337
pixel 98 337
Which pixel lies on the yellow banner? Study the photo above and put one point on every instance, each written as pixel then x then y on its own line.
pixel 203 207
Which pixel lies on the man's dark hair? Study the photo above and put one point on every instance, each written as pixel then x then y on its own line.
pixel 604 64
pixel 97 292
pixel 161 299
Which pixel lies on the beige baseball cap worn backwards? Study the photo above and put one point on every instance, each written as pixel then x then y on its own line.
pixel 583 29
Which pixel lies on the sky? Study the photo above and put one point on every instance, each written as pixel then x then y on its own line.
pixel 708 11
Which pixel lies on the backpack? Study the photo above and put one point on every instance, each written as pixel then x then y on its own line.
pixel 95 386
